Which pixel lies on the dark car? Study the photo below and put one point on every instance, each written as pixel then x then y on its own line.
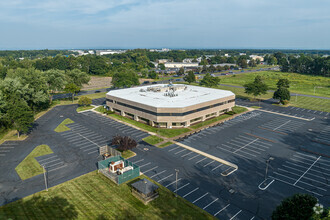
pixel 154 82
pixel 146 82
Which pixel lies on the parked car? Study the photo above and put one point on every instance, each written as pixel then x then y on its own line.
pixel 154 82
pixel 146 82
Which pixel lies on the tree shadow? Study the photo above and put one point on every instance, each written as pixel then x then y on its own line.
pixel 39 207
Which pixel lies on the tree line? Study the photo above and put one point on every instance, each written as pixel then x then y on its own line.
pixel 25 92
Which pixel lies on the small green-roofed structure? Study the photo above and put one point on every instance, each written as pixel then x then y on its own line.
pixel 145 190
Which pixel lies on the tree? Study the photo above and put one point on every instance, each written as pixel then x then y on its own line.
pixel 190 77
pixel 298 206
pixel 77 77
pixel 256 88
pixel 258 61
pixel 153 75
pixel 243 63
pixel 252 63
pixel 123 143
pixel 125 78
pixel 72 88
pixel 85 101
pixel 161 66
pixel 55 80
pixel 283 94
pixel 181 71
pixel 209 81
pixel 283 83
pixel 20 115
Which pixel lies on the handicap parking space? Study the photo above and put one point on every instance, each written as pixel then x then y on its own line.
pixel 86 140
pixel 283 125
pixel 120 128
pixel 305 171
pixel 51 162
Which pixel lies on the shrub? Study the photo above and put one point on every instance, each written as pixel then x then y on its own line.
pixel 123 143
pixel 230 113
pixel 85 101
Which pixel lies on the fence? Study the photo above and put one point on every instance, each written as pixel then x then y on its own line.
pixel 103 167
pixel 110 150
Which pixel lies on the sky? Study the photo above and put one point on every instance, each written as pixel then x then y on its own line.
pixel 72 24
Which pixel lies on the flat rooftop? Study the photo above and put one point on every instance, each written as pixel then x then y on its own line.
pixel 170 96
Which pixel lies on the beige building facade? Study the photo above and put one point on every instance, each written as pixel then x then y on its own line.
pixel 170 106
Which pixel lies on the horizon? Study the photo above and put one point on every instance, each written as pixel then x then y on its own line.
pixel 186 24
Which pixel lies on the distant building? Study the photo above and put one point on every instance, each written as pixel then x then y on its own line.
pixel 163 60
pixel 255 57
pixel 179 65
pixel 106 52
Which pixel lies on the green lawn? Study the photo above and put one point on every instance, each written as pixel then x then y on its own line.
pixel 127 154
pixel 310 103
pixel 84 108
pixel 153 139
pixel 61 127
pixel 160 131
pixel 165 144
pixel 300 83
pixel 236 109
pixel 30 167
pixel 93 196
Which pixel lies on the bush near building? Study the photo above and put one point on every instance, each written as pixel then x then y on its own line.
pixel 84 101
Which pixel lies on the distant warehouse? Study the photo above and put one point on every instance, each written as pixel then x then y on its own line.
pixel 170 106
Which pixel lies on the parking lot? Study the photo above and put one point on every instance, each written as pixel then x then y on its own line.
pixel 247 141
pixel 290 111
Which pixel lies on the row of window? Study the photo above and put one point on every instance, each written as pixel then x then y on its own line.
pixel 170 114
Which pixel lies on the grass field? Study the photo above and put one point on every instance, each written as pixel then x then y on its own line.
pixel 153 139
pixel 127 154
pixel 62 127
pixel 165 144
pixel 30 167
pixel 300 83
pixel 11 135
pixel 84 108
pixel 93 196
pixel 310 103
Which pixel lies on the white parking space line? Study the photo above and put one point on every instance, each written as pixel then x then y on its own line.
pixel 145 164
pixel 181 187
pixel 52 165
pixel 165 178
pixel 47 158
pixel 51 161
pixel 57 168
pixel 211 203
pixel 4 151
pixel 297 165
pixel 138 161
pixel 307 170
pixel 281 125
pixel 92 152
pixel 200 197
pixel 157 174
pixel 234 153
pixel 194 157
pixel 201 160
pixel 187 154
pixel 180 151
pixel 217 167
pixel 190 192
pixel 221 210
pixel 209 163
pixel 174 148
pixel 172 183
pixel 235 215
pixel 150 169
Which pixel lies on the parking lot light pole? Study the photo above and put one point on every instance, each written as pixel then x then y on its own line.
pixel 43 166
pixel 267 164
pixel 176 182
